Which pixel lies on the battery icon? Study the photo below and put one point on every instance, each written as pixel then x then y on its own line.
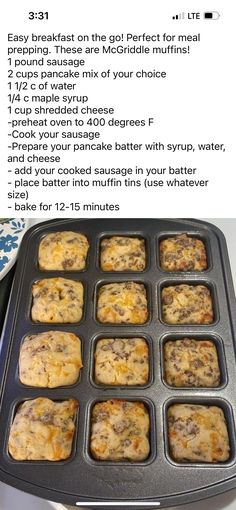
pixel 211 15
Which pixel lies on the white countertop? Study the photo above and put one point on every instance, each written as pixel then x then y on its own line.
pixel 11 498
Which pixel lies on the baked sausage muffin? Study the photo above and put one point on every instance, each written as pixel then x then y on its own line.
pixel 57 300
pixel 50 359
pixel 120 431
pixel 191 363
pixel 121 361
pixel 187 304
pixel 182 253
pixel 121 253
pixel 43 430
pixel 63 251
pixel 124 302
pixel 197 433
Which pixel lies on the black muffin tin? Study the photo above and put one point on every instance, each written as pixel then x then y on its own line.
pixel 158 479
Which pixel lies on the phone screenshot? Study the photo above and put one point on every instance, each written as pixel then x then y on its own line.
pixel 117 255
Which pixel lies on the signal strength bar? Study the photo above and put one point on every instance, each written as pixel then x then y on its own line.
pixel 181 15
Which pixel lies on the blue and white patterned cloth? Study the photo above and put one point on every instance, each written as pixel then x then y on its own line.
pixel 11 233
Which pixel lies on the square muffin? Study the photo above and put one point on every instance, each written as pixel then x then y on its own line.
pixel 120 431
pixel 121 361
pixel 63 251
pixel 122 253
pixel 57 300
pixel 124 302
pixel 182 253
pixel 187 304
pixel 43 430
pixel 191 363
pixel 197 433
pixel 50 359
